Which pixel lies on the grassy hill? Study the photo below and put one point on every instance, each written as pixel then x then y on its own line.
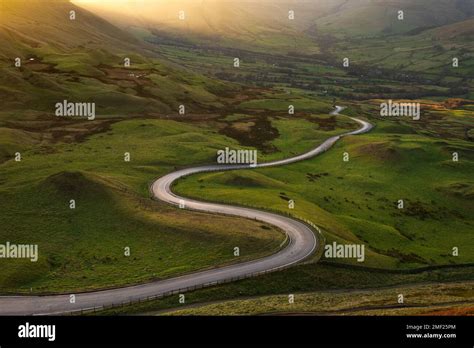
pixel 370 18
pixel 83 59
pixel 83 248
pixel 35 23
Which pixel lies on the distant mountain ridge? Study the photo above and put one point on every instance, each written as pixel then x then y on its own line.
pixel 263 23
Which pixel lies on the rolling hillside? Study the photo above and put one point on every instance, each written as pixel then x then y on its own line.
pixel 285 65
pixel 27 25
pixel 372 18
pixel 84 59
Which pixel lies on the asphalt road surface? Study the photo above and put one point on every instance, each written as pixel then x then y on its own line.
pixel 301 244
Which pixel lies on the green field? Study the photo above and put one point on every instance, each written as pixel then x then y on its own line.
pixel 356 201
pixel 84 248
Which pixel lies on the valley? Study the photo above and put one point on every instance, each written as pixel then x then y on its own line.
pixel 167 96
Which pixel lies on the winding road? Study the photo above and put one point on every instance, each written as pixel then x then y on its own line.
pixel 301 244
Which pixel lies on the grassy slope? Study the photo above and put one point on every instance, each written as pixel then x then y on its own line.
pixel 82 60
pixel 300 279
pixel 111 201
pixel 375 18
pixel 83 248
pixel 345 303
